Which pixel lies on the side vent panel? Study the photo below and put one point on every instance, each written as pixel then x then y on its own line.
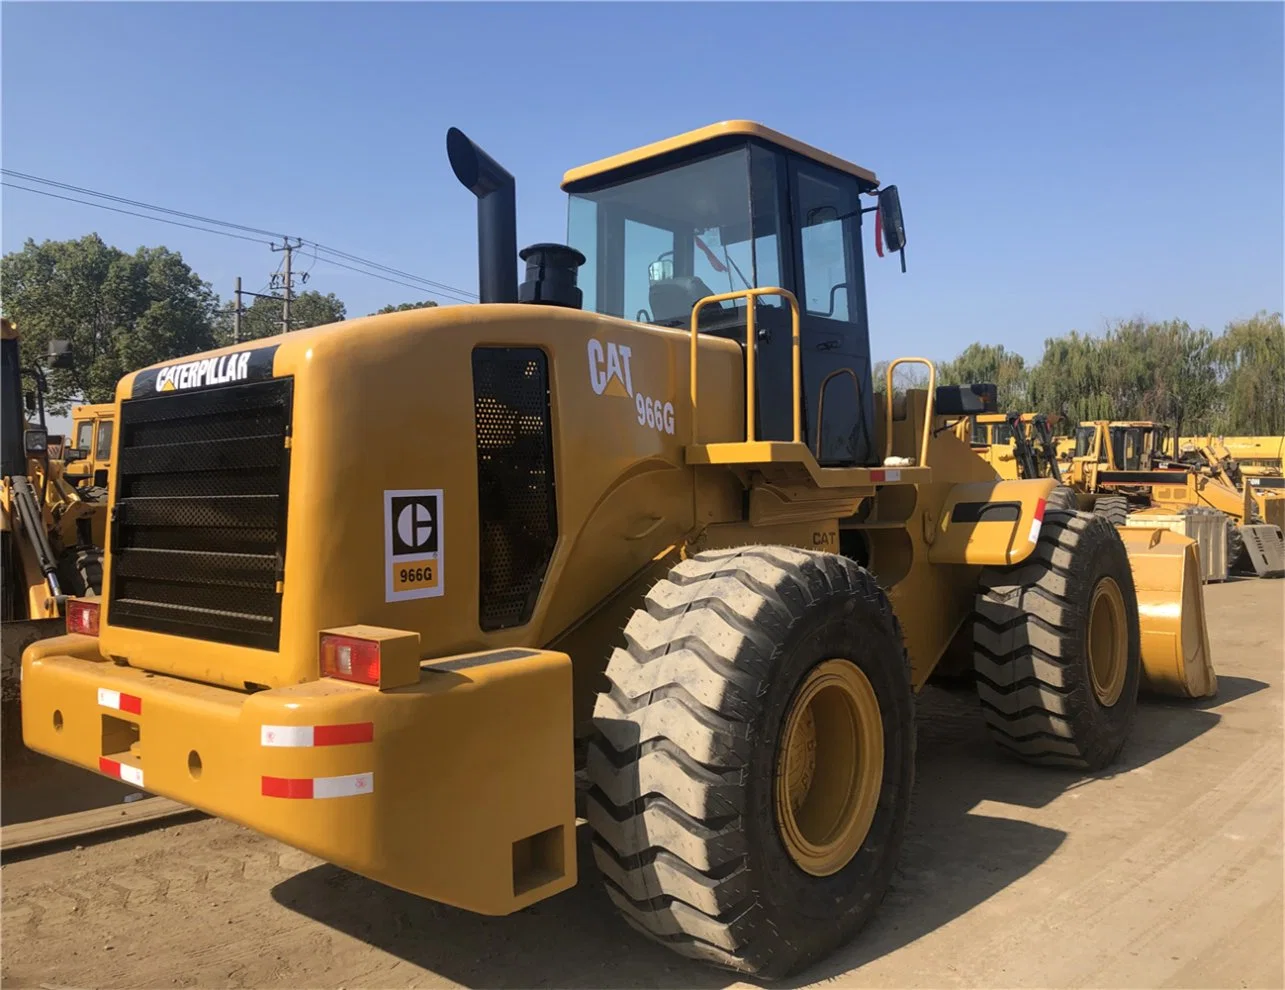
pixel 517 503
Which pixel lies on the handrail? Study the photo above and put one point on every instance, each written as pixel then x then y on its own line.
pixel 750 295
pixel 928 406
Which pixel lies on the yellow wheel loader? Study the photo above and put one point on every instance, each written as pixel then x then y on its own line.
pixel 92 429
pixel 403 664
pixel 1016 445
pixel 51 535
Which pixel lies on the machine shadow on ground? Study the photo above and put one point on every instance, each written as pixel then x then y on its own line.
pixel 953 859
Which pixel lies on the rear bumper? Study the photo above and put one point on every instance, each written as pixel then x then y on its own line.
pixel 459 788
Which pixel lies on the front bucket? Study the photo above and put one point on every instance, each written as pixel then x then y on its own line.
pixel 1171 613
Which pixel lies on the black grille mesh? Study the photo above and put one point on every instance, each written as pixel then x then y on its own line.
pixel 517 505
pixel 198 529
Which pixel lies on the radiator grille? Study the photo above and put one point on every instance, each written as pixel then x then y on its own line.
pixel 198 529
pixel 517 504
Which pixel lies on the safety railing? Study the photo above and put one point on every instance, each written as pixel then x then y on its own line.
pixel 751 360
pixel 928 406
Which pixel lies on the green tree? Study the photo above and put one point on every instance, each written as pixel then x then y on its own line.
pixel 403 307
pixel 263 317
pixel 1250 359
pixel 989 363
pixel 120 311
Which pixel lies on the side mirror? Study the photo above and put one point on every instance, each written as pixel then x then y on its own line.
pixel 890 219
pixel 60 354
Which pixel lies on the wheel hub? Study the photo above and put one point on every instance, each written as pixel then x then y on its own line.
pixel 1107 642
pixel 829 768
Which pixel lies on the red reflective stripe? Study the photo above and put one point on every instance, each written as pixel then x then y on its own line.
pixel 879 232
pixel 343 735
pixel 287 787
pixel 131 704
pixel 109 766
pixel 878 475
pixel 1039 510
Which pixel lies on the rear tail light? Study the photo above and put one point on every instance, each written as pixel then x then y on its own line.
pixel 349 659
pixel 82 617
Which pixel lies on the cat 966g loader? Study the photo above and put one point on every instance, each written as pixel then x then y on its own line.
pixel 401 663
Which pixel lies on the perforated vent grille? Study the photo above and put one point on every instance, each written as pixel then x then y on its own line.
pixel 198 529
pixel 517 505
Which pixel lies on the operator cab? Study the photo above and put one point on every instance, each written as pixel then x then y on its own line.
pixel 736 206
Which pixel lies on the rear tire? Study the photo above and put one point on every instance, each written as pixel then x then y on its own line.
pixel 1061 497
pixel 687 770
pixel 1113 508
pixel 1038 629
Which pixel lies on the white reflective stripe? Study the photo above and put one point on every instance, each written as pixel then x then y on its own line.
pixel 893 475
pixel 353 783
pixel 109 699
pixel 1035 530
pixel 285 735
pixel 131 774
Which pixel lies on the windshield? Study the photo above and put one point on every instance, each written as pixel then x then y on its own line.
pixel 1084 440
pixel 1126 446
pixel 656 244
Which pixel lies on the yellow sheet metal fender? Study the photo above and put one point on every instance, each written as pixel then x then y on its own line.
pixel 1176 659
pixel 990 522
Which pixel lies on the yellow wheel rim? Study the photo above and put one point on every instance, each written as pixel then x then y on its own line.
pixel 1108 642
pixel 829 768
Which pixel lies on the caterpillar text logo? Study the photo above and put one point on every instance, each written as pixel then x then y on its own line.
pixel 609 370
pixel 209 371
pixel 611 373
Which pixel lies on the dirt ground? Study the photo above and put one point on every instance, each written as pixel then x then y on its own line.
pixel 1166 872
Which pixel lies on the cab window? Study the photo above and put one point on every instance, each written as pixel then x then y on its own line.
pixel 84 436
pixel 829 211
pixel 104 451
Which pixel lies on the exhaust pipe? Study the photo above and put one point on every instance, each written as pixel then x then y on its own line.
pixel 497 234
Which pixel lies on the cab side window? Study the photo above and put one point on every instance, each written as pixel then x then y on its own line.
pixel 104 450
pixel 829 214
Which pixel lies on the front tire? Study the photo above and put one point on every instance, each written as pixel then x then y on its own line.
pixel 753 758
pixel 1056 646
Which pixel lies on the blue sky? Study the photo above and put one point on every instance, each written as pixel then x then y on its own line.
pixel 1060 165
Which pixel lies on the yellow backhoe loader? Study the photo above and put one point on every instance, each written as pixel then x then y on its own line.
pixel 51 535
pixel 400 663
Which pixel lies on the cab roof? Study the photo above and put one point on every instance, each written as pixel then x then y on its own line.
pixel 725 132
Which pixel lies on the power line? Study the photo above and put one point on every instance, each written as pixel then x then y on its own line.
pixel 133 202
pixel 424 284
pixel 117 209
pixel 394 271
pixel 395 281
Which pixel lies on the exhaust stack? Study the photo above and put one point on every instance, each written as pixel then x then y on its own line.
pixel 497 235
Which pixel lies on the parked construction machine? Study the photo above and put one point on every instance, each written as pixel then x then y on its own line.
pixel 669 428
pixel 1016 445
pixel 1123 470
pixel 51 535
pixel 92 426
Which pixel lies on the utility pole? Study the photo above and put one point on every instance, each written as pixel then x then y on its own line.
pixel 286 280
pixel 236 319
